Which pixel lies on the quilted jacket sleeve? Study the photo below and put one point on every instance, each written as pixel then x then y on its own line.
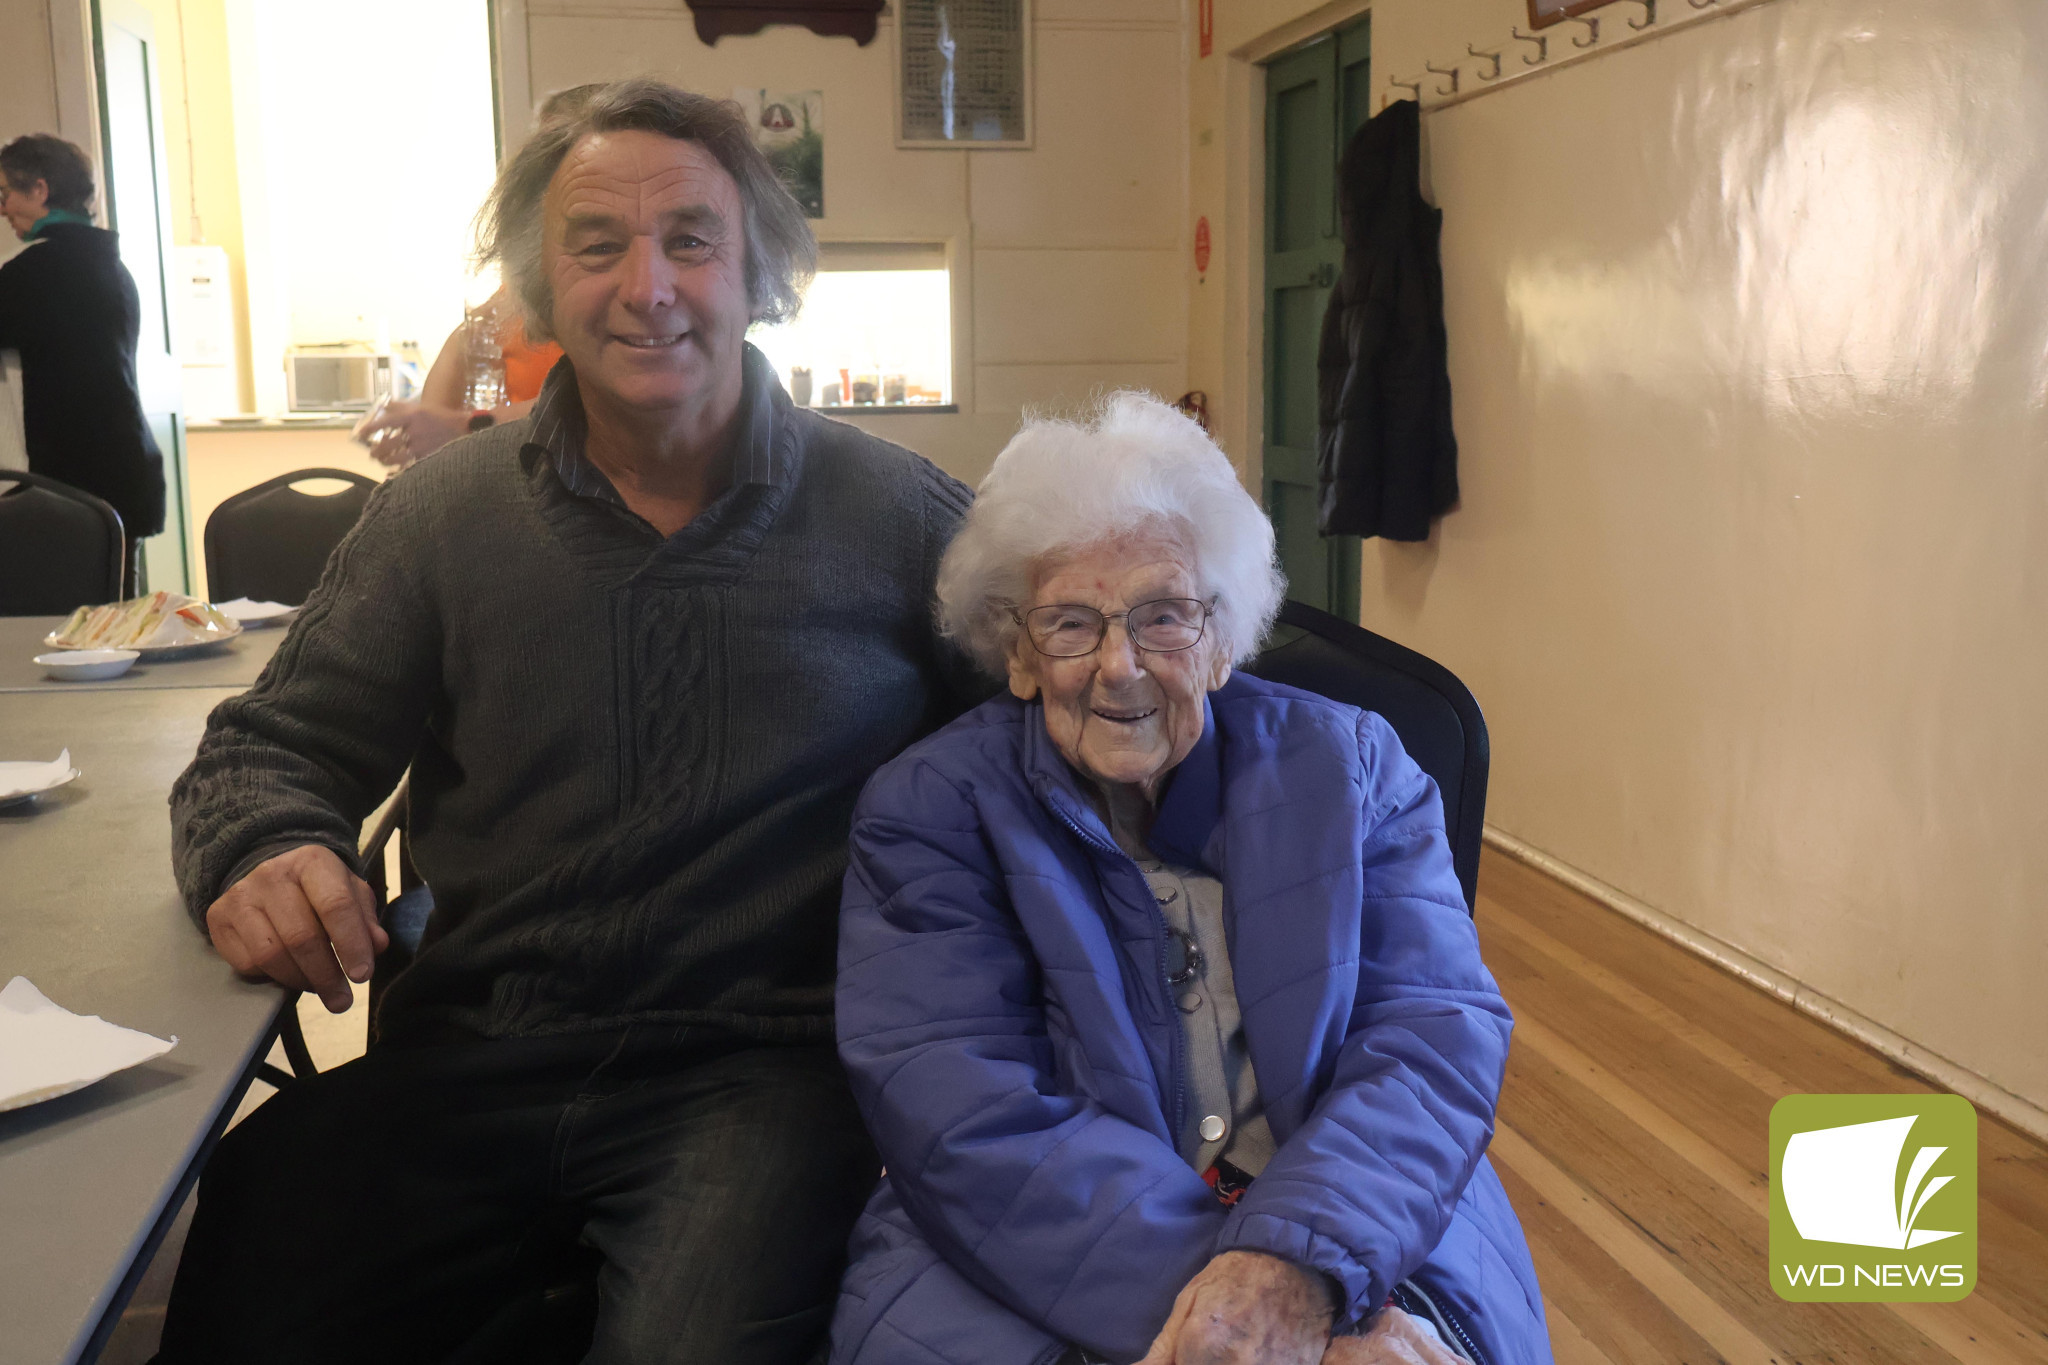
pixel 1078 1220
pixel 1364 1190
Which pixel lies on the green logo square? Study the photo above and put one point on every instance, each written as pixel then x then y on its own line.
pixel 1873 1198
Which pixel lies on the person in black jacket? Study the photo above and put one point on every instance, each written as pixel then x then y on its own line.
pixel 69 307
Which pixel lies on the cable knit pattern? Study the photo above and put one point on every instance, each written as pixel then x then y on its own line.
pixel 634 759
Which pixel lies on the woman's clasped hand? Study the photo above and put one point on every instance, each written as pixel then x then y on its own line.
pixel 1248 1308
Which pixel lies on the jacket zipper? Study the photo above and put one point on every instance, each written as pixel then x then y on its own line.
pixel 1443 1320
pixel 1174 1040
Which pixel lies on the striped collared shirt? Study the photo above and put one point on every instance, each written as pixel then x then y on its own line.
pixel 561 429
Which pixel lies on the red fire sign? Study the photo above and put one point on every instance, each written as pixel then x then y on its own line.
pixel 1202 245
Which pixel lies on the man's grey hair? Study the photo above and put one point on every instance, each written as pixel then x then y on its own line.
pixel 782 255
pixel 1134 466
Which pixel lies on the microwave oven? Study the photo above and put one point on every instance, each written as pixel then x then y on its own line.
pixel 334 379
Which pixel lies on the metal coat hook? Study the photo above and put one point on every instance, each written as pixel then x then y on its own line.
pixel 1542 41
pixel 1494 57
pixel 1414 87
pixel 1703 4
pixel 1450 71
pixel 1592 30
pixel 1649 15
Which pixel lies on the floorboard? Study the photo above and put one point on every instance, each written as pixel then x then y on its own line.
pixel 1634 1141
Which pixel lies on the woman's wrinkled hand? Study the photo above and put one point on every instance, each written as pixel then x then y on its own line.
pixel 1247 1308
pixel 1393 1339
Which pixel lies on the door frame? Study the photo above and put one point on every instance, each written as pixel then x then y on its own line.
pixel 1241 405
pixel 180 556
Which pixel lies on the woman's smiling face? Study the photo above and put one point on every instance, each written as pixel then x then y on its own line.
pixel 1122 715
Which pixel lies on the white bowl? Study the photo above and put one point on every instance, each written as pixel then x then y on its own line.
pixel 88 665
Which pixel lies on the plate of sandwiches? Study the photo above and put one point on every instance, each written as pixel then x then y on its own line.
pixel 162 625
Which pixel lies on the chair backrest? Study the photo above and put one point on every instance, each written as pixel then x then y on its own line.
pixel 271 542
pixel 1434 714
pixel 60 547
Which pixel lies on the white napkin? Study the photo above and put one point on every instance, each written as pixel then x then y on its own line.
pixel 251 613
pixel 47 1051
pixel 19 779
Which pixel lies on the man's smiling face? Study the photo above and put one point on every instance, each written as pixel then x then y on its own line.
pixel 645 242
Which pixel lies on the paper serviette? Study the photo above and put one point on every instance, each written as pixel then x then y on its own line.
pixel 19 779
pixel 47 1051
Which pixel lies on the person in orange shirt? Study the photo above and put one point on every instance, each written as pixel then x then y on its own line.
pixel 402 431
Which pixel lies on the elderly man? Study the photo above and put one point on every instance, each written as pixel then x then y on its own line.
pixel 641 650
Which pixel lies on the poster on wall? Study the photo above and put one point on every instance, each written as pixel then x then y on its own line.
pixel 963 73
pixel 789 128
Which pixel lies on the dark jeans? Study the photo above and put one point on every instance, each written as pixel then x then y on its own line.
pixel 391 1208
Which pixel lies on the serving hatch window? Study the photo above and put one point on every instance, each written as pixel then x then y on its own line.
pixel 876 330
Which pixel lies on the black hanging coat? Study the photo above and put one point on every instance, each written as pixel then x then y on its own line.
pixel 69 306
pixel 1387 463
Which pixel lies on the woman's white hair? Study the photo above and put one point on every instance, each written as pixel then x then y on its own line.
pixel 1135 466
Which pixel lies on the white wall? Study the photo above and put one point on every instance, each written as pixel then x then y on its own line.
pixel 1066 257
pixel 1749 360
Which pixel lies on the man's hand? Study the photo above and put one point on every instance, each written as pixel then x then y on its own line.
pixel 1247 1308
pixel 1393 1339
pixel 302 919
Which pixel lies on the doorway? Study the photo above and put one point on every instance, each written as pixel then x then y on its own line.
pixel 1316 97
pixel 138 208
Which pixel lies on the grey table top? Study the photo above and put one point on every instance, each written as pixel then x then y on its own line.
pixel 89 913
pixel 232 665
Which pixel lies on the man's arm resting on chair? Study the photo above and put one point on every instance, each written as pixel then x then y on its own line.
pixel 264 821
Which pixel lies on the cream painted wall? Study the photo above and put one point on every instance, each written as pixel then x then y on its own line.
pixel 1749 354
pixel 1067 257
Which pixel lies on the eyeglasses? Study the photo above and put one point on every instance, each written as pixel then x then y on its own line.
pixel 1066 630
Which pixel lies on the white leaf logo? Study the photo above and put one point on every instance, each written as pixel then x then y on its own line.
pixel 1838 1185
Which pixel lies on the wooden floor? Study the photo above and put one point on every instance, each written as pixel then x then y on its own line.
pixel 1634 1140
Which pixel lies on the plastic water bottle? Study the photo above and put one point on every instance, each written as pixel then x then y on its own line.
pixel 484 385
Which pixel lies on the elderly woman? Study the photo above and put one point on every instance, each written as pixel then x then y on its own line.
pixel 1156 986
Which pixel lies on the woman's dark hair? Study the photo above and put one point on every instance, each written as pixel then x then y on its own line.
pixel 57 163
pixel 782 255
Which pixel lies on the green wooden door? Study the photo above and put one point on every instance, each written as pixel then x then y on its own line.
pixel 1316 97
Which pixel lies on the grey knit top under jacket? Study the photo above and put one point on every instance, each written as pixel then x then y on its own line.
pixel 634 759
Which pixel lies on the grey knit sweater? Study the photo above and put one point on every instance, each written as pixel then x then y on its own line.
pixel 634 759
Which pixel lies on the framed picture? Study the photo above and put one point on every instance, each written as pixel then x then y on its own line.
pixel 1544 13
pixel 789 128
pixel 963 73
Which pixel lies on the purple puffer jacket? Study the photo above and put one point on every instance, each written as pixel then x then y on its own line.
pixel 1005 1018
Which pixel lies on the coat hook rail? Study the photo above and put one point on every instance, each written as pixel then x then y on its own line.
pixel 1493 57
pixel 1450 71
pixel 1592 23
pixel 1542 41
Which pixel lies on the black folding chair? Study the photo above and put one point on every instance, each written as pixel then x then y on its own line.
pixel 1434 714
pixel 271 542
pixel 60 547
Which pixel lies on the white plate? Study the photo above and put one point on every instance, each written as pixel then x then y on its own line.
pixel 257 615
pixel 87 665
pixel 163 653
pixel 20 781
